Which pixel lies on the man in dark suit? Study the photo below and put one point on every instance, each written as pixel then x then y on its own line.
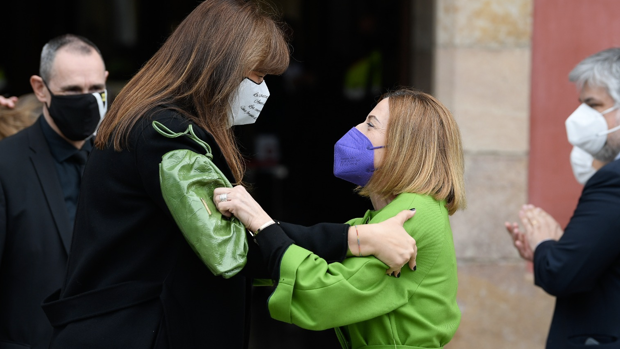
pixel 580 265
pixel 40 170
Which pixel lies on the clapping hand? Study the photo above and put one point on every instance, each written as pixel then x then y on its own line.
pixel 538 226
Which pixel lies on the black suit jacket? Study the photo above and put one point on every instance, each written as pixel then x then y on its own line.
pixel 35 237
pixel 132 279
pixel 582 269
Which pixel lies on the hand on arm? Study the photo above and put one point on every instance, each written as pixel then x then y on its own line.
pixel 238 202
pixel 388 241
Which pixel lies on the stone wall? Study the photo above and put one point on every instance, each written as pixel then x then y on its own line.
pixel 482 74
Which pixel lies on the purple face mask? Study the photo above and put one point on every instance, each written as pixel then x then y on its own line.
pixel 354 158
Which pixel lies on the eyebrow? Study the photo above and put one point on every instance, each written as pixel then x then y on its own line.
pixel 374 117
pixel 590 100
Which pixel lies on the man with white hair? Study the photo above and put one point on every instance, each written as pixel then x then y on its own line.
pixel 40 171
pixel 580 265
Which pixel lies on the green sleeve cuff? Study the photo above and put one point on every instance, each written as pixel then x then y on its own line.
pixel 280 301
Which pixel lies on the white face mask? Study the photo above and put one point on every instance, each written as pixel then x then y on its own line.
pixel 247 102
pixel 581 162
pixel 587 129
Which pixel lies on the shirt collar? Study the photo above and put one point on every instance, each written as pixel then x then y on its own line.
pixel 61 149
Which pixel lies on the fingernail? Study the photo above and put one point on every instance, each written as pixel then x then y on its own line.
pixel 415 267
pixel 397 275
pixel 412 209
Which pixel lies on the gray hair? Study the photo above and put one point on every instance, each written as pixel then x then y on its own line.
pixel 74 43
pixel 601 69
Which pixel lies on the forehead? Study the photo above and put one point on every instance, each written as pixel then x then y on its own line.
pixel 71 67
pixel 382 110
pixel 589 91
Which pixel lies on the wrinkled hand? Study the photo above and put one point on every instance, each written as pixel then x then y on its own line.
pixel 539 225
pixel 8 102
pixel 519 241
pixel 390 243
pixel 242 205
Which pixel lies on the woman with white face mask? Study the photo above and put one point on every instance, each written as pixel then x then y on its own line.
pixel 407 154
pixel 133 281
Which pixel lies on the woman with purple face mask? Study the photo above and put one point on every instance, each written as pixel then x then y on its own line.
pixel 406 154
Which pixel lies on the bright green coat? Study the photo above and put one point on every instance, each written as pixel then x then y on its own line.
pixel 417 310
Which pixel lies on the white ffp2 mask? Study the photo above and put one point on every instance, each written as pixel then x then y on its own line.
pixel 247 103
pixel 581 162
pixel 587 129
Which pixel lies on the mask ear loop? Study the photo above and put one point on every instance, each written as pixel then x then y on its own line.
pixel 102 103
pixel 373 148
pixel 47 87
pixel 613 129
pixel 609 131
pixel 48 90
pixel 610 109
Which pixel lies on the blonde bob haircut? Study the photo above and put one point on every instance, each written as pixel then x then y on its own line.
pixel 197 70
pixel 423 155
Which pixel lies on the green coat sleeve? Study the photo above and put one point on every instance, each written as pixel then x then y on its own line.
pixel 310 290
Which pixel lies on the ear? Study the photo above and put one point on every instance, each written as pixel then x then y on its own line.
pixel 105 76
pixel 39 89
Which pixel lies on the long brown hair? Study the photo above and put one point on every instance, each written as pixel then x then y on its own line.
pixel 424 154
pixel 197 70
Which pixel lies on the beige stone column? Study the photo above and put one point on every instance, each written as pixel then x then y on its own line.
pixel 482 74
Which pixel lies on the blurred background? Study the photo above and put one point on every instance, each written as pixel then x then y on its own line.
pixel 501 67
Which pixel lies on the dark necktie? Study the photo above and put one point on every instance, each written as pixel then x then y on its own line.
pixel 79 158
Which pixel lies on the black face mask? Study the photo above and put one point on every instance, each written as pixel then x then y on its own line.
pixel 77 116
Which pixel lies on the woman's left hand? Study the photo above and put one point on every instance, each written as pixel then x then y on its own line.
pixel 238 202
pixel 388 241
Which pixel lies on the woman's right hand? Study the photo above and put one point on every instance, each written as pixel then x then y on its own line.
pixel 241 204
pixel 387 241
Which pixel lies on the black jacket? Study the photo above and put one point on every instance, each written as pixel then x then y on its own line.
pixel 132 280
pixel 582 269
pixel 35 237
